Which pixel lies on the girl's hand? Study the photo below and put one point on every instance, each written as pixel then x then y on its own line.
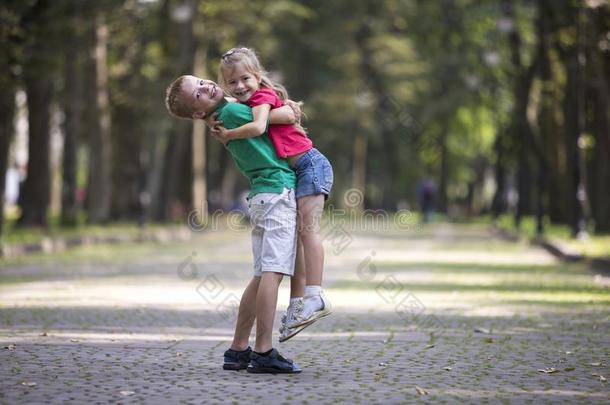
pixel 221 133
pixel 296 108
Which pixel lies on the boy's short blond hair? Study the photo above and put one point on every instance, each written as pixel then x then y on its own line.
pixel 175 103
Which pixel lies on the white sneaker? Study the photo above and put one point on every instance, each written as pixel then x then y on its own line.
pixel 291 313
pixel 287 333
pixel 304 317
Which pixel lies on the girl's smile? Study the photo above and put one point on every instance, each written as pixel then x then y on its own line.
pixel 242 84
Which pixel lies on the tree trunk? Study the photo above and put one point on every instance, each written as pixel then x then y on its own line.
pixel 7 114
pixel 444 173
pixel 199 185
pixel 359 168
pixel 384 110
pixel 72 122
pixel 498 205
pixel 176 185
pixel 599 178
pixel 522 83
pixel 100 143
pixel 34 196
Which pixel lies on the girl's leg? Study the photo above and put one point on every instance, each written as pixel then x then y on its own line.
pixel 309 213
pixel 297 281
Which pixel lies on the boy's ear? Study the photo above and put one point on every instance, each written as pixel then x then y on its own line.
pixel 199 115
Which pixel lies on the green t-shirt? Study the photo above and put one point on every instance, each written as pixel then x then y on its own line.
pixel 255 157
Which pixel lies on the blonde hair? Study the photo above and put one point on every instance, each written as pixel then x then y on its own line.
pixel 175 103
pixel 251 63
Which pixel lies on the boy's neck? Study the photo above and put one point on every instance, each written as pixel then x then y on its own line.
pixel 222 102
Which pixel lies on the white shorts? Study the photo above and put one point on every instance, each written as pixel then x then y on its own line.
pixel 274 237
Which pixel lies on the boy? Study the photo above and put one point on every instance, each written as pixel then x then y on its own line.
pixel 273 212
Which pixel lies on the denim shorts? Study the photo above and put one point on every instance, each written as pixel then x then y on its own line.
pixel 314 174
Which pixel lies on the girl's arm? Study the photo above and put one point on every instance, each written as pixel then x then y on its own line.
pixel 283 115
pixel 257 127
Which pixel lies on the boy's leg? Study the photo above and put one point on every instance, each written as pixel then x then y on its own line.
pixel 246 315
pixel 266 301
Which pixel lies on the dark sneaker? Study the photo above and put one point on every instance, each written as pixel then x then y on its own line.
pixel 273 363
pixel 235 360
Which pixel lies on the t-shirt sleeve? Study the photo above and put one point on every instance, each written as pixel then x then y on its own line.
pixel 235 115
pixel 264 96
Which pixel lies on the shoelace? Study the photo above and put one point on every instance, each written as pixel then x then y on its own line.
pixel 298 308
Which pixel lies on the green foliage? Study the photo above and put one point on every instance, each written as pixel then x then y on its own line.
pixel 427 84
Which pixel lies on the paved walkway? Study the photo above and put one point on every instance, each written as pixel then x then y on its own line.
pixel 438 314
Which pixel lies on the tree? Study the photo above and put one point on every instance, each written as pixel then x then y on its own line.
pixel 100 145
pixel 38 78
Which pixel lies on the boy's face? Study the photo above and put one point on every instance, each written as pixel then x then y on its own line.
pixel 203 95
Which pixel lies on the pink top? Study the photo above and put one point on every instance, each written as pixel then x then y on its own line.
pixel 286 138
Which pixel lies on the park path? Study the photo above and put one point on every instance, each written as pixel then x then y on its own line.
pixel 439 314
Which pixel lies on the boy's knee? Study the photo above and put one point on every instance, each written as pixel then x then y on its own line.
pixel 272 275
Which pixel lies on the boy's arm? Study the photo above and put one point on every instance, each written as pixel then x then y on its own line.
pixel 257 127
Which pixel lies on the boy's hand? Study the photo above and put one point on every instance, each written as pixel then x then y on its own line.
pixel 215 135
pixel 213 122
pixel 296 108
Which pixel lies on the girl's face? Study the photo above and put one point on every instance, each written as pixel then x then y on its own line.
pixel 242 84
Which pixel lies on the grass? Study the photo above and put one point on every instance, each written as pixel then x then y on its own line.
pixel 15 236
pixel 596 245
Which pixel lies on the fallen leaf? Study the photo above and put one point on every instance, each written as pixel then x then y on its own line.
pixel 179 354
pixel 568 352
pixel 383 364
pixel 549 370
pixel 596 364
pixel 481 330
pixel 10 347
pixel 74 340
pixel 602 378
pixel 420 390
pixel 127 393
pixel 447 368
pixel 44 334
pixel 429 346
pixel 28 383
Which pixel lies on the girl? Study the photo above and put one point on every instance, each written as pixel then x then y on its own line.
pixel 242 75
